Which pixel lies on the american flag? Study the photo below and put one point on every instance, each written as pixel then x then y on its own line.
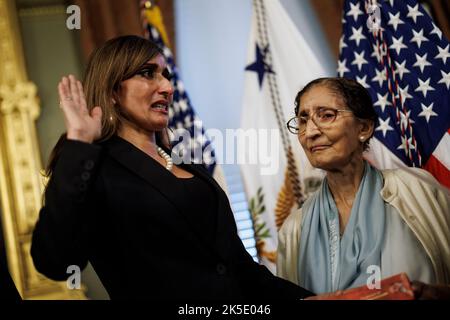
pixel 394 49
pixel 181 113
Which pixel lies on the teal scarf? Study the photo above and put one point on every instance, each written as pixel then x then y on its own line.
pixel 328 263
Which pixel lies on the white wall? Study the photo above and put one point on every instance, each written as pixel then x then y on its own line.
pixel 212 40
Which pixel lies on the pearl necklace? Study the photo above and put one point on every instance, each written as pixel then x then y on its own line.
pixel 165 156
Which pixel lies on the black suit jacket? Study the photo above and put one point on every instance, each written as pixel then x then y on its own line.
pixel 115 206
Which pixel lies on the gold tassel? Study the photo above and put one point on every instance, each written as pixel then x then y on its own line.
pixel 269 255
pixel 285 201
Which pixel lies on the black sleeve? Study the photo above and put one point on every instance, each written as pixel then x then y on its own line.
pixel 255 279
pixel 59 236
pixel 259 283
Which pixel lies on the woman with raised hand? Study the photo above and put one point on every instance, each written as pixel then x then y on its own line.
pixel 149 227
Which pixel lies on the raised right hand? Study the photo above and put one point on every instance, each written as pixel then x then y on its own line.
pixel 80 124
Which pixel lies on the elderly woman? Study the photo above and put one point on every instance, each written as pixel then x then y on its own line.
pixel 151 228
pixel 361 219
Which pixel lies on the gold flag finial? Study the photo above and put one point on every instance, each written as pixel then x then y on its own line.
pixel 153 15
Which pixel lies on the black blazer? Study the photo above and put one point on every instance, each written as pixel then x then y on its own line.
pixel 114 205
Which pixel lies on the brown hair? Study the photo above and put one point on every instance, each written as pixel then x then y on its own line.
pixel 354 96
pixel 116 60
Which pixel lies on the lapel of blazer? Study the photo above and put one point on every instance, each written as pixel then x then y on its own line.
pixel 225 223
pixel 149 169
pixel 144 166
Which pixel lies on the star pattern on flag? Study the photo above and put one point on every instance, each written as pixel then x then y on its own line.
pixel 380 77
pixel 436 31
pixel 260 66
pixel 405 67
pixel 401 69
pixel 355 11
pixel 362 81
pixel 413 12
pixel 427 112
pixel 377 52
pixel 406 145
pixel 357 35
pixel 382 101
pixel 403 93
pixel 342 67
pixel 384 126
pixel 359 60
pixel 418 37
pixel 422 62
pixel 445 79
pixel 398 44
pixel 424 87
pixel 443 54
pixel 342 43
pixel 405 118
pixel 394 20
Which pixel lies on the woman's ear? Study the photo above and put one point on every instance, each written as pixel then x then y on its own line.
pixel 367 127
pixel 114 98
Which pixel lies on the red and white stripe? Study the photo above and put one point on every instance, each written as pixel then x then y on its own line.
pixel 438 164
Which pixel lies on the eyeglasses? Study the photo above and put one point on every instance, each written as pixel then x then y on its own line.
pixel 322 118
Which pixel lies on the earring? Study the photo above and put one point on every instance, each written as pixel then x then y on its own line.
pixel 111 118
pixel 361 138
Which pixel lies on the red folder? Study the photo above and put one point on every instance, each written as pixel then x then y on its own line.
pixel 397 287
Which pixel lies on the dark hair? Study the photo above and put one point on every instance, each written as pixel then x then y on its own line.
pixel 116 60
pixel 354 96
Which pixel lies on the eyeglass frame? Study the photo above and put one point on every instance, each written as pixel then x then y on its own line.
pixel 311 117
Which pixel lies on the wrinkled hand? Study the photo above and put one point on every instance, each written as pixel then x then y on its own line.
pixel 423 291
pixel 80 124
